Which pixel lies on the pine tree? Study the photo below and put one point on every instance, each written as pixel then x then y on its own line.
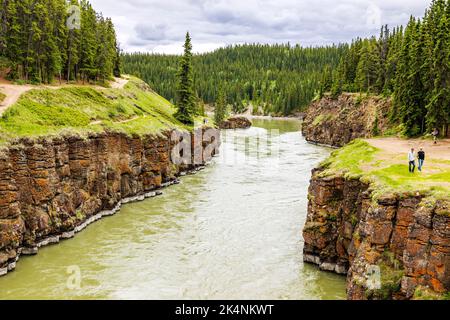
pixel 327 80
pixel 118 62
pixel 73 50
pixel 368 67
pixel 221 107
pixel 438 108
pixel 383 51
pixel 186 96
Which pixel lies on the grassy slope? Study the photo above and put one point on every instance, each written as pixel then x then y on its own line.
pixel 389 173
pixel 136 109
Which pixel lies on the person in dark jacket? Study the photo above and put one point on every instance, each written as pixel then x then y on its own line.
pixel 421 157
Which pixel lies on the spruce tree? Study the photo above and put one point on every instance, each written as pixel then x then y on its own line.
pixel 368 67
pixel 221 107
pixel 438 108
pixel 118 62
pixel 186 97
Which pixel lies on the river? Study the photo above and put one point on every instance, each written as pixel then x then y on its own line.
pixel 233 231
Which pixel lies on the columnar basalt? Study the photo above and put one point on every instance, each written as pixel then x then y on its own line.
pixel 402 240
pixel 52 188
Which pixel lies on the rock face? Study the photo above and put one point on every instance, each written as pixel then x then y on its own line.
pixel 236 123
pixel 391 247
pixel 51 189
pixel 336 122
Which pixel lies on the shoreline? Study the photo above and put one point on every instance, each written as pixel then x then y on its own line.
pixel 272 118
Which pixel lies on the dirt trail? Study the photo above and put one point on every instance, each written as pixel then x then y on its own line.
pixel 13 92
pixel 119 83
pixel 400 146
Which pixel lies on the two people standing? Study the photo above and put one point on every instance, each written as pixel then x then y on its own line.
pixel 412 160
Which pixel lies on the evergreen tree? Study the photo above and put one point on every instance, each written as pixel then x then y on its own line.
pixel 368 67
pixel 118 62
pixel 39 44
pixel 327 80
pixel 220 110
pixel 186 97
pixel 439 104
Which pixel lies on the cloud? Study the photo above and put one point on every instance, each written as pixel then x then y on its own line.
pixel 160 25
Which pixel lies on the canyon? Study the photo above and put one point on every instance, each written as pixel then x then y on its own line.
pixel 52 188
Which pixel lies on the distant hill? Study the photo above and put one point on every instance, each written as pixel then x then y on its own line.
pixel 280 78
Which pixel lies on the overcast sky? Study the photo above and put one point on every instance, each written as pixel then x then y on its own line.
pixel 160 25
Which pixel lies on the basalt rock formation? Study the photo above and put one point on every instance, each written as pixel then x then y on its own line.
pixel 236 123
pixel 52 188
pixel 390 247
pixel 336 122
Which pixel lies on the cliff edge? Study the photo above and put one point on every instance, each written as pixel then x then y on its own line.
pixel 388 230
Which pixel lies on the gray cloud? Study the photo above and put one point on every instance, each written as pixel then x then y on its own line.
pixel 160 25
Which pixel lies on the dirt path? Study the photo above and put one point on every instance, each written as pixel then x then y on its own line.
pixel 399 146
pixel 13 92
pixel 119 83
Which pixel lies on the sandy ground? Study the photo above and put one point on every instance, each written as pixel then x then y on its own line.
pixel 399 146
pixel 13 92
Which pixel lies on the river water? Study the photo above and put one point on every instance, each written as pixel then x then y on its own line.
pixel 233 231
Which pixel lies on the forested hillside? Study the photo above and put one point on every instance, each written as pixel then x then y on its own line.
pixel 282 78
pixel 44 39
pixel 412 64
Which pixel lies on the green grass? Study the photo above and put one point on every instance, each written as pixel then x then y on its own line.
pixel 2 97
pixel 350 158
pixel 360 160
pixel 136 109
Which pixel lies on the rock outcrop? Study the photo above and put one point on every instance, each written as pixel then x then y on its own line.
pixel 236 123
pixel 336 122
pixel 391 247
pixel 52 188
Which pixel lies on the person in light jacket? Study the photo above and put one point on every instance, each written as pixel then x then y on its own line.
pixel 412 160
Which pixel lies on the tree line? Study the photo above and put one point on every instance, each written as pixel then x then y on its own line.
pixel 44 39
pixel 410 64
pixel 280 78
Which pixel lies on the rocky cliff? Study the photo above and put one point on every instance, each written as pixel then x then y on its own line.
pixel 336 122
pixel 391 247
pixel 236 123
pixel 52 188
